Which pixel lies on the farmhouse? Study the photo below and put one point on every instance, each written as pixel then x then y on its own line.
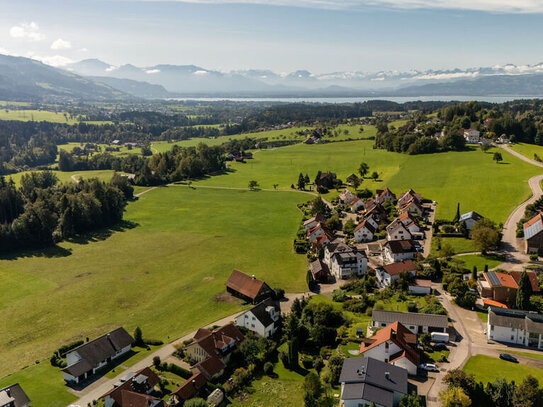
pixel 13 396
pixel 365 230
pixel 345 261
pixel 394 344
pixel 85 360
pixel 134 390
pixel 320 271
pixel 314 221
pixel 472 136
pixel 515 327
pixel 368 381
pixel 383 195
pixel 262 319
pixel 249 288
pixel 219 343
pixel 469 219
pixel 415 322
pixel 190 388
pixel 399 250
pixel 502 287
pixel 377 213
pixel 326 180
pixel 533 235
pixel 396 230
pixel 387 274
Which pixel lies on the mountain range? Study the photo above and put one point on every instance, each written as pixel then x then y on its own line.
pixel 92 79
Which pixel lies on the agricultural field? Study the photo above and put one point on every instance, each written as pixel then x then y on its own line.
pixel 166 264
pixel 66 176
pixel 123 150
pixel 470 178
pixel 487 369
pixel 42 116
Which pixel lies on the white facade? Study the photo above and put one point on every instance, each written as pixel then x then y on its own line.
pixel 515 336
pixel 346 196
pixel 472 136
pixel 249 321
pixel 398 231
pixel 384 351
pixel 358 267
pixel 356 204
pixel 364 234
pixel 384 279
pixel 390 257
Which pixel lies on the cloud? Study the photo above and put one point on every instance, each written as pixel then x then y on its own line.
pixel 200 73
pixel 53 60
pixel 26 31
pixel 83 50
pixel 494 6
pixel 61 44
pixel 111 68
pixel 152 71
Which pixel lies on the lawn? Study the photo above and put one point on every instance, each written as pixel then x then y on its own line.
pixel 483 316
pixel 470 260
pixel 123 150
pixel 28 115
pixel 459 244
pixel 470 178
pixel 487 369
pixel 163 272
pixel 527 150
pixel 66 176
pixel 538 356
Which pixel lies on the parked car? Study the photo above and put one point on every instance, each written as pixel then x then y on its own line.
pixel 440 346
pixel 429 367
pixel 508 357
pixel 440 337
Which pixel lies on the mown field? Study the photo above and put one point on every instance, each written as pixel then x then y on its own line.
pixel 66 176
pixel 123 150
pixel 527 150
pixel 28 115
pixel 470 178
pixel 487 369
pixel 163 271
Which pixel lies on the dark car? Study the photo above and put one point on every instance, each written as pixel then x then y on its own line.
pixel 440 346
pixel 508 357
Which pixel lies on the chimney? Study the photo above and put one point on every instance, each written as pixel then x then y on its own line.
pixel 253 277
pixel 387 375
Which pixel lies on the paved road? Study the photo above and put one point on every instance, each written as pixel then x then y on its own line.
pixel 511 245
pixel 429 232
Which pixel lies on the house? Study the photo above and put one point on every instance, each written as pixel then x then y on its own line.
pixel 533 236
pixel 365 230
pixel 189 389
pixel 346 196
pixel 399 250
pixel 502 287
pixel 472 136
pixel 219 343
pixel 322 240
pixel 211 368
pixel 345 261
pixel 326 180
pixel 262 319
pixel 383 195
pixel 503 139
pixel 412 206
pixel 13 396
pixel 396 230
pixel 387 274
pixel 369 204
pixel 355 204
pixel 316 231
pixel 420 287
pixel 249 288
pixel 314 221
pixel 406 196
pixel 320 271
pixel 410 223
pixel 87 359
pixel 415 322
pixel 469 219
pixel 394 344
pixel 367 381
pixel 532 276
pixel 515 327
pixel 134 390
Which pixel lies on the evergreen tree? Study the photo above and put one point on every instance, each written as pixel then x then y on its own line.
pixel 457 216
pixel 293 354
pixel 138 337
pixel 474 273
pixel 301 181
pixel 524 292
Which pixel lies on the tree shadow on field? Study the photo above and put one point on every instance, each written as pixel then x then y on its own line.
pixel 102 234
pixel 46 252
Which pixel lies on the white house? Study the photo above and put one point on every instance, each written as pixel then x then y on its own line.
pixel 515 327
pixel 411 206
pixel 13 396
pixel 365 230
pixel 389 273
pixel 399 250
pixel 86 359
pixel 383 195
pixel 345 261
pixel 346 196
pixel 472 136
pixel 415 322
pixel 410 222
pixel 396 230
pixel 355 204
pixel 406 196
pixel 262 319
pixel 394 344
pixel 469 219
pixel 366 380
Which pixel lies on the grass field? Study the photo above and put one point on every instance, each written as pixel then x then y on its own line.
pixel 480 261
pixel 487 369
pixel 527 150
pixel 123 150
pixel 471 178
pixel 538 356
pixel 42 116
pixel 459 245
pixel 104 175
pixel 163 273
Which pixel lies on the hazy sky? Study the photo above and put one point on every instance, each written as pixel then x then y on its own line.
pixel 281 35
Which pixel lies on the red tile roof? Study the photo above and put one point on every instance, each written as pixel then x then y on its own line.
pixel 366 224
pixel 210 367
pixel 505 280
pixel 534 220
pixel 486 301
pixel 213 341
pixel 400 267
pixel 534 282
pixel 398 334
pixel 132 386
pixel 191 387
pixel 244 284
pixel 132 399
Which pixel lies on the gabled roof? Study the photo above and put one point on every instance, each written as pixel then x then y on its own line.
pixel 470 215
pixel 410 193
pixel 400 246
pixel 13 394
pixel 213 341
pixel 397 224
pixel 317 218
pixel 367 225
pixel 532 276
pixel 413 200
pixel 400 267
pixel 262 311
pixel 411 318
pixel 132 399
pixel 406 215
pixel 140 382
pixel 98 350
pixel 249 286
pixel 533 227
pixel 210 367
pixel 191 387
pixel 489 302
pixel 399 335
pixel 495 279
pixel 318 267
pixel 380 193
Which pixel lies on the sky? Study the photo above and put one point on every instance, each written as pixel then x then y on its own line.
pixel 320 36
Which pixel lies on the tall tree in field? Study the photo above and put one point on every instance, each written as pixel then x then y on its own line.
pixel 375 175
pixel 497 157
pixel 354 181
pixel 363 169
pixel 301 181
pixel 253 185
pixel 138 337
pixel 457 216
pixel 524 292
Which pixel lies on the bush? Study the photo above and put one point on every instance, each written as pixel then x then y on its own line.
pixel 412 306
pixel 339 295
pixel 63 350
pixel 533 257
pixel 279 293
pixel 283 357
pixel 177 370
pixel 268 368
pixel 307 362
pixel 448 228
pixel 153 342
pixel 156 361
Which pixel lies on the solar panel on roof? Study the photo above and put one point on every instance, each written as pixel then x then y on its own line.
pixel 494 280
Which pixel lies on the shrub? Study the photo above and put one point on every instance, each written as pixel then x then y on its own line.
pixel 412 306
pixel 156 361
pixel 533 257
pixel 63 350
pixel 339 295
pixel 178 370
pixel 279 293
pixel 268 368
pixel 283 356
pixel 448 228
pixel 153 342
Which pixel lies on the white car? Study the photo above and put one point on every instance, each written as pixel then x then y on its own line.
pixel 429 367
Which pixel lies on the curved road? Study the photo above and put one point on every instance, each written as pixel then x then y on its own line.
pixel 512 246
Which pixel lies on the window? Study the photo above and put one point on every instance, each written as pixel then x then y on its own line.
pixel 512 337
pixel 491 327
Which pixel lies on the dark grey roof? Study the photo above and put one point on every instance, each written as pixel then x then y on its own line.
pixel 15 394
pixel 400 246
pixel 494 279
pixel 363 391
pixel 261 311
pixel 528 321
pixel 411 318
pixel 105 346
pixel 373 372
pixel 318 266
pixel 348 257
pixel 470 215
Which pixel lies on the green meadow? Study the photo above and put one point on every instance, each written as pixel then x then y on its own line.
pixel 28 115
pixel 66 176
pixel 487 369
pixel 164 270
pixel 527 150
pixel 123 150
